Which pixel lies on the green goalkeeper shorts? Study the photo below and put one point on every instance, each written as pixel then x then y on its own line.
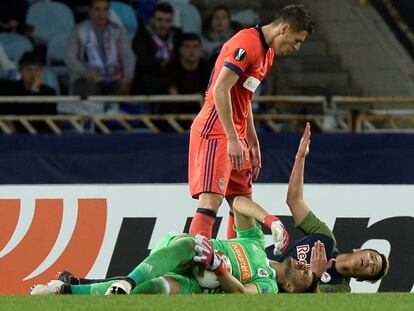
pixel 188 284
pixel 167 239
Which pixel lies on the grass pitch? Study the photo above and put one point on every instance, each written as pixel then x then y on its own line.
pixel 309 302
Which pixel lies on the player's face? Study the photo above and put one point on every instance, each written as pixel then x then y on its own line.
pixel 99 13
pixel 30 73
pixel 288 41
pixel 299 274
pixel 220 21
pixel 161 22
pixel 191 51
pixel 365 263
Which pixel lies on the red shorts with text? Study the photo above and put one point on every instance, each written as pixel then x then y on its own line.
pixel 209 168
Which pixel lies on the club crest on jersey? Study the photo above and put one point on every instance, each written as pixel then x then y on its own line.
pixel 326 277
pixel 240 54
pixel 262 273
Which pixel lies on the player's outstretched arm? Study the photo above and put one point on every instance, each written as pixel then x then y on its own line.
pixel 231 285
pixel 294 198
pixel 246 212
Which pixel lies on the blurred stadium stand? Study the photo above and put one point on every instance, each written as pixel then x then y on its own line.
pixel 399 15
pixel 48 19
pixel 353 74
pixel 15 45
pixel 55 53
pixel 127 16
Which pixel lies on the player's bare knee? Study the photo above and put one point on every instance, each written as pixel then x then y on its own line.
pixel 171 285
pixel 210 201
pixel 238 201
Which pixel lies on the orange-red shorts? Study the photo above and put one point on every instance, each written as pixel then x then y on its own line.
pixel 209 168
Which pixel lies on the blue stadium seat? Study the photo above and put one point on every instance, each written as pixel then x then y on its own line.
pixel 49 18
pixel 50 79
pixel 55 53
pixel 15 45
pixel 127 15
pixel 188 16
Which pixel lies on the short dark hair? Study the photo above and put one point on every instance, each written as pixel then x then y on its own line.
pixel 297 17
pixel 91 2
pixel 29 58
pixel 381 273
pixel 164 7
pixel 188 36
pixel 221 8
pixel 314 285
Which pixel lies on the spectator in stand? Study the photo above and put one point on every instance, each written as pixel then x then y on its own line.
pixel 30 84
pixel 217 30
pixel 12 17
pixel 99 55
pixel 154 47
pixel 187 74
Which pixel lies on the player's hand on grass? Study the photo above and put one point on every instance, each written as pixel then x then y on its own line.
pixel 319 263
pixel 280 237
pixel 303 149
pixel 206 255
pixel 236 153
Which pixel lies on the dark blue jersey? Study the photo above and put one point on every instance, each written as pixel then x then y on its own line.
pixel 300 249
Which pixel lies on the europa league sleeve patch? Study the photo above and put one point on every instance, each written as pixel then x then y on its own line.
pixel 240 54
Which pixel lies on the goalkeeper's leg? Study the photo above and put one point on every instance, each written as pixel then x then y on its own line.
pixel 87 289
pixel 176 257
pixel 169 284
pixel 70 279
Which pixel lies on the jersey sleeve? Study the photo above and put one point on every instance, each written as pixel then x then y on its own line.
pixel 312 224
pixel 240 53
pixel 254 233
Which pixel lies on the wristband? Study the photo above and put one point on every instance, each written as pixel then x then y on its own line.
pixel 221 269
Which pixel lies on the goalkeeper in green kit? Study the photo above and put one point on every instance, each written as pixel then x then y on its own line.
pixel 169 267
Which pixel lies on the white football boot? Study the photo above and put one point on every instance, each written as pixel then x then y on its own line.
pixel 51 288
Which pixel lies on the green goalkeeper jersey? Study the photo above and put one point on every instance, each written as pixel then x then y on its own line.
pixel 248 259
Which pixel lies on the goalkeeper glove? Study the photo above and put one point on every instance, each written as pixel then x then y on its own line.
pixel 280 237
pixel 206 255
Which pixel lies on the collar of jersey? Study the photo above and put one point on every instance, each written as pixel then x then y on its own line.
pixel 258 27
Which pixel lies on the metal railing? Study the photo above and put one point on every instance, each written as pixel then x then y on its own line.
pixel 374 113
pixel 339 114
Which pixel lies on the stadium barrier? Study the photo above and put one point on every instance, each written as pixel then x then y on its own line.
pixel 339 114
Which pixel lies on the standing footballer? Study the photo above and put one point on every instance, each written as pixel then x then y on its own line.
pixel 224 153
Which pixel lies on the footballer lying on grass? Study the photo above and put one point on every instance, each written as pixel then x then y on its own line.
pixel 170 266
pixel 362 264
